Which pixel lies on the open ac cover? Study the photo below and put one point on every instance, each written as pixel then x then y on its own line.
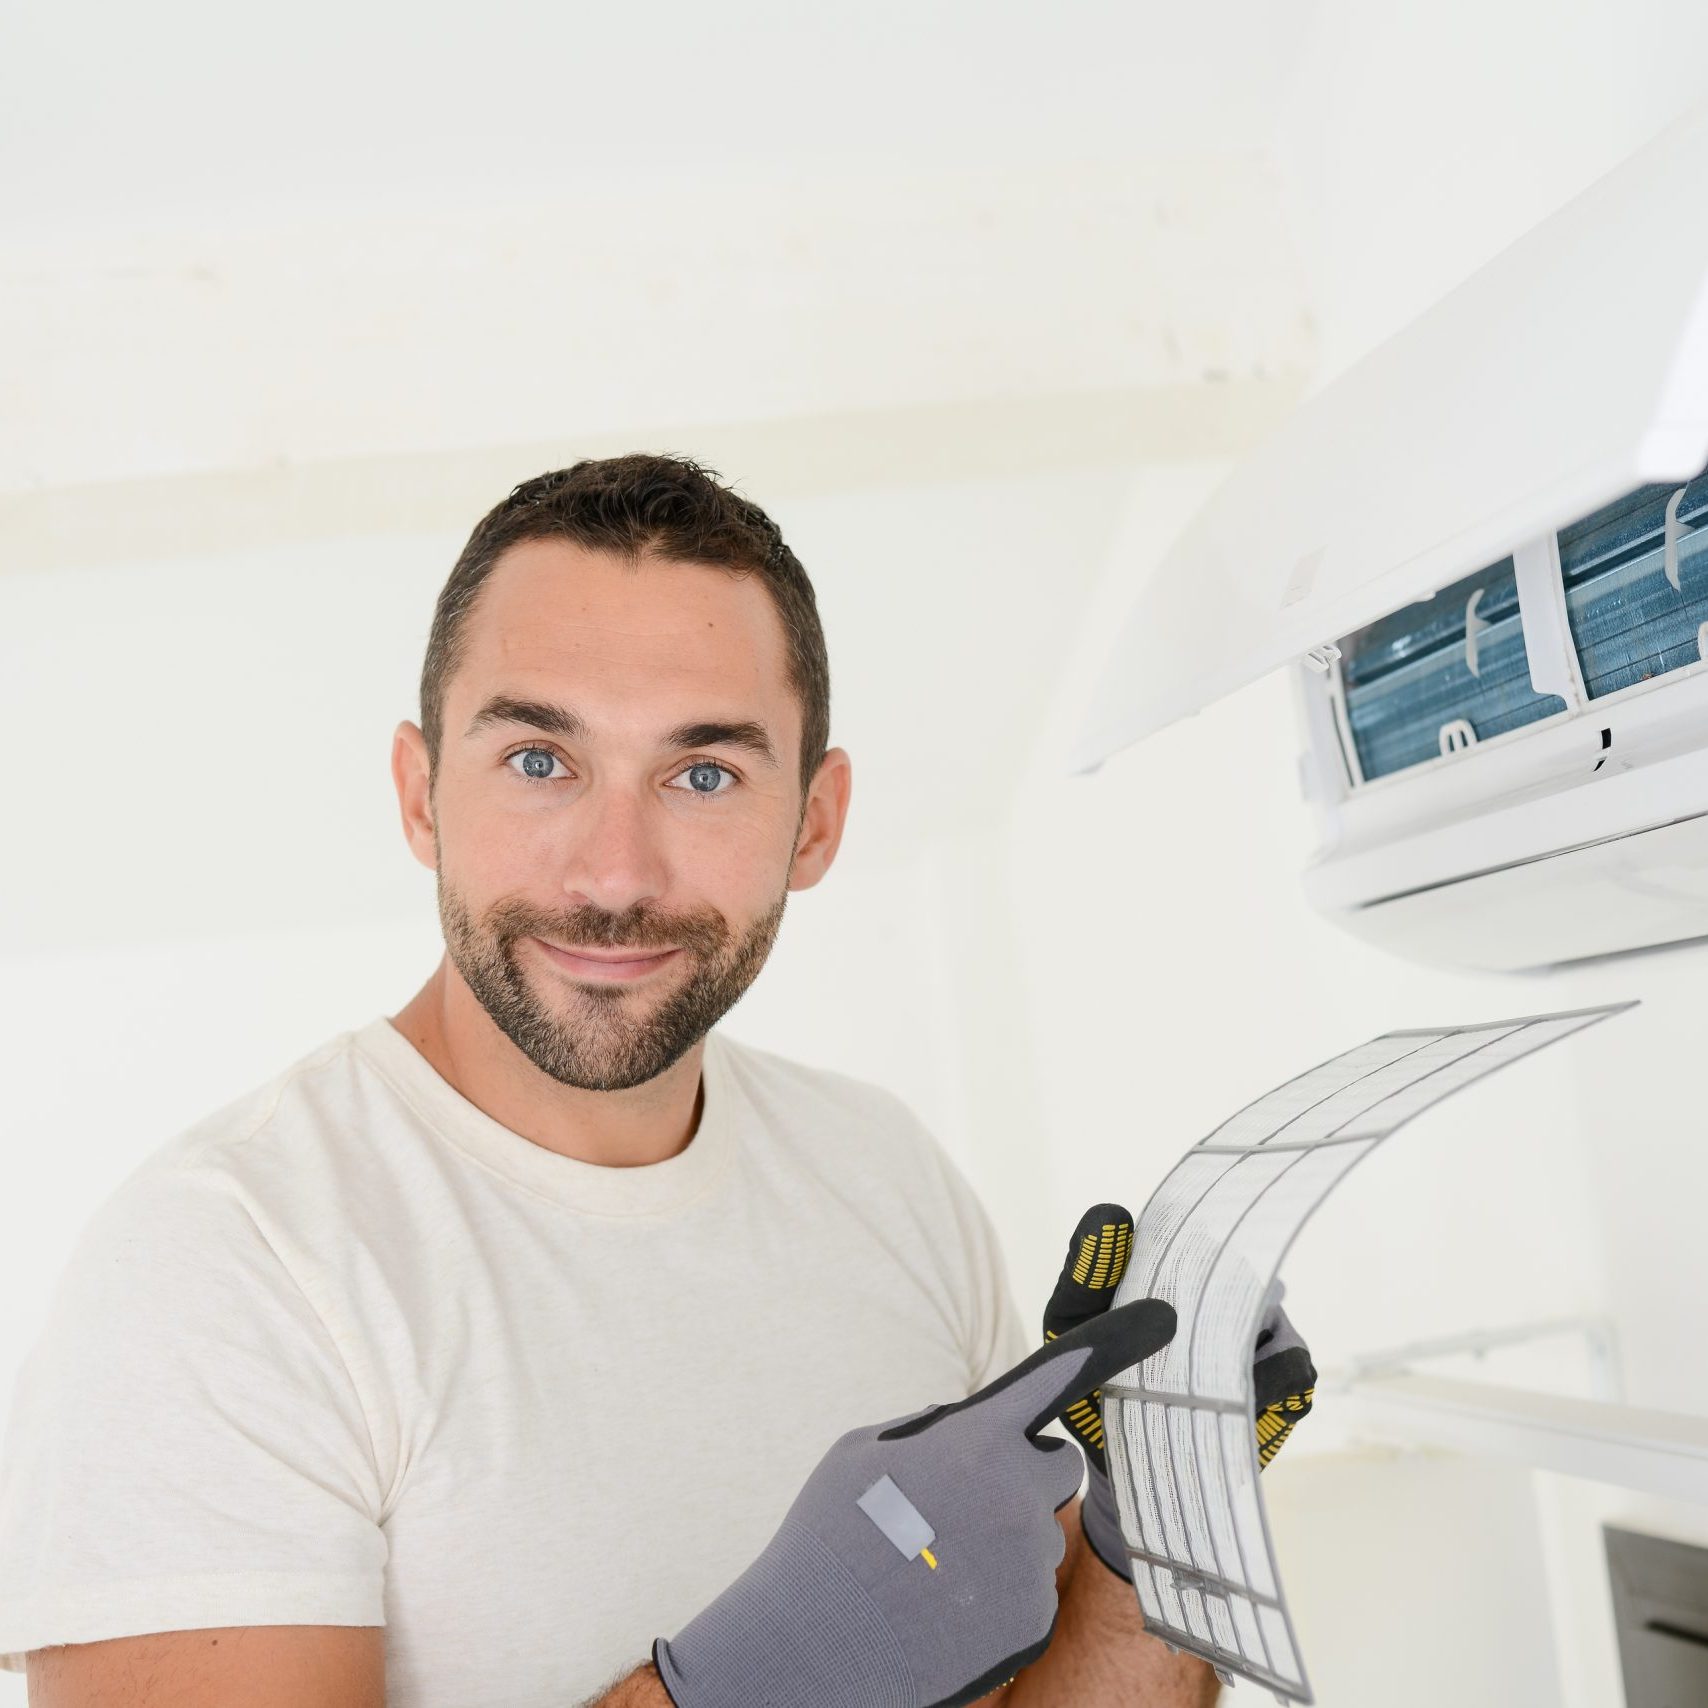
pixel 1483 552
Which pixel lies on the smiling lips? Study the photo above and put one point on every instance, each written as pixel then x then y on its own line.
pixel 608 965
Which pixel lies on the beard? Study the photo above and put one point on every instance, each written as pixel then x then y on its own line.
pixel 603 1037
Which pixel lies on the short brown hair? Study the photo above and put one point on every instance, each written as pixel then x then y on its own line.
pixel 634 505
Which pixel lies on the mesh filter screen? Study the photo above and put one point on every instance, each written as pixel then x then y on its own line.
pixel 1181 1425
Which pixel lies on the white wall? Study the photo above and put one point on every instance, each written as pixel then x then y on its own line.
pixel 1414 1580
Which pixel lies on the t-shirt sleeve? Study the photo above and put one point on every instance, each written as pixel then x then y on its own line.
pixel 185 1446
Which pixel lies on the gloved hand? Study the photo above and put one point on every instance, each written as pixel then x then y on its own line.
pixel 1283 1377
pixel 916 1567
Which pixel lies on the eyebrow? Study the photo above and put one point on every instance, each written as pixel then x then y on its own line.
pixel 568 723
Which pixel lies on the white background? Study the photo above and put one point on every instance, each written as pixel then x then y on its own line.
pixel 979 301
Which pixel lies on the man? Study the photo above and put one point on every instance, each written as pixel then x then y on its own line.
pixel 503 1353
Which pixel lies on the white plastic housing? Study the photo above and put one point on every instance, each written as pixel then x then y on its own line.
pixel 1570 371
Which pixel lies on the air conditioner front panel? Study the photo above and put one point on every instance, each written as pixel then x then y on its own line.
pixel 1635 891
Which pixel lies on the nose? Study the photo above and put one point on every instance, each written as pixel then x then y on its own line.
pixel 614 858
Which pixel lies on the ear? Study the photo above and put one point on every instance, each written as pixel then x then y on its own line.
pixel 821 824
pixel 409 772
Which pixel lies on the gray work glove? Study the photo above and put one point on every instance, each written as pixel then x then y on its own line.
pixel 916 1567
pixel 1283 1377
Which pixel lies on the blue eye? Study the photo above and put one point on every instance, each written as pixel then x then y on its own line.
pixel 702 769
pixel 532 771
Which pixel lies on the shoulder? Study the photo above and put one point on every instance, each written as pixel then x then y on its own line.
pixel 198 1200
pixel 813 1098
pixel 839 1124
pixel 777 1077
pixel 300 1097
pixel 186 1290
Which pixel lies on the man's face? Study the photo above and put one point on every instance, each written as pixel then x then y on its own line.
pixel 633 831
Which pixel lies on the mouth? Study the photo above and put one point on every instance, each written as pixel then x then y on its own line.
pixel 608 966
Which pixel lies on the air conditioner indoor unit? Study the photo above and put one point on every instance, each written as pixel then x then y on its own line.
pixel 1483 553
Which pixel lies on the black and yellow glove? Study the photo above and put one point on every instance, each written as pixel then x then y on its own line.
pixel 1283 1377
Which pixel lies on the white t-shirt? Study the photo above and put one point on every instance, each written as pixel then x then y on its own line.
pixel 350 1352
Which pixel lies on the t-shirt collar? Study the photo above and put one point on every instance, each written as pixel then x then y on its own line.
pixel 647 1189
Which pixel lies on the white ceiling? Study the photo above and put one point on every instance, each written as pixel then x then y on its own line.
pixel 267 257
pixel 193 107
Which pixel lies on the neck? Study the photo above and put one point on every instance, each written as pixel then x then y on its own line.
pixel 613 1129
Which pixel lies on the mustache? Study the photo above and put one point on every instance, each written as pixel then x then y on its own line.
pixel 587 929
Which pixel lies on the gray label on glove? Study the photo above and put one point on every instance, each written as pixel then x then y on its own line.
pixel 898 1518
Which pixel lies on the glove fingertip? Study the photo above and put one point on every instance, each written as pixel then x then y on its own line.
pixel 1100 1214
